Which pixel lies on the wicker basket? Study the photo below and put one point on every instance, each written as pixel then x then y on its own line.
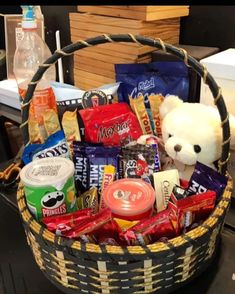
pixel 157 268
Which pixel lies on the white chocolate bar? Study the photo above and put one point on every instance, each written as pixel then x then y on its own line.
pixel 164 182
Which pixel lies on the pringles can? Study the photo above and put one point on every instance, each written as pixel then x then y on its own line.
pixel 49 186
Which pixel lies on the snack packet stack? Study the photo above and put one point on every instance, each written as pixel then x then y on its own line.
pixel 99 177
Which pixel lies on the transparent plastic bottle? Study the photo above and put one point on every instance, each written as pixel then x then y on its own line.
pixel 30 53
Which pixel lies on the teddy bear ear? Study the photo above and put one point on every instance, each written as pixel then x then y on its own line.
pixel 170 102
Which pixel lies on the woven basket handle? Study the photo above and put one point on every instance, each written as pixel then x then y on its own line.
pixel 157 43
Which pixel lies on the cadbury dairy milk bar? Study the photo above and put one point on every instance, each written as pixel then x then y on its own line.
pixel 205 178
pixel 90 160
pixel 98 158
pixel 81 167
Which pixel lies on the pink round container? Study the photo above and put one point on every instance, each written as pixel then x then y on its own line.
pixel 130 199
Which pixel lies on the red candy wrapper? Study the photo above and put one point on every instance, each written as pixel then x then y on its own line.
pixel 113 124
pixel 105 240
pixel 194 208
pixel 109 234
pixel 60 224
pixel 90 225
pixel 152 229
pixel 184 183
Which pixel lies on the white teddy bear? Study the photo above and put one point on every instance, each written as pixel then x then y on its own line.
pixel 192 132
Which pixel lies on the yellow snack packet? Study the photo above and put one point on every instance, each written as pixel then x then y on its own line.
pixel 155 101
pixel 51 122
pixel 125 224
pixel 34 131
pixel 70 126
pixel 89 199
pixel 108 178
pixel 138 106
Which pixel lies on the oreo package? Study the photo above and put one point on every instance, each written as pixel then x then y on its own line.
pixel 205 178
pixel 69 98
pixel 55 145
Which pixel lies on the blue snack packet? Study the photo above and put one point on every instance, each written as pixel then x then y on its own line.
pixel 161 77
pixel 205 178
pixel 55 145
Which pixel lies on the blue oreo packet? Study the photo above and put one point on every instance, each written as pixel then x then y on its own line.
pixel 55 145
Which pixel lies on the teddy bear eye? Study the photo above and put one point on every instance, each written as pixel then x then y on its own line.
pixel 170 135
pixel 197 148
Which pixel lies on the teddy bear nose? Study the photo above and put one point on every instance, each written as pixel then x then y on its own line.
pixel 177 148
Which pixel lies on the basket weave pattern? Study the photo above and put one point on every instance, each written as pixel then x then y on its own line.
pixel 75 267
pixel 114 269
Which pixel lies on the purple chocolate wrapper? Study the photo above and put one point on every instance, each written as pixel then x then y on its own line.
pixel 157 162
pixel 205 178
pixel 98 157
pixel 81 167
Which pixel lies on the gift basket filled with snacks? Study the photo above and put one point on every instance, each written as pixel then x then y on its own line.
pixel 104 201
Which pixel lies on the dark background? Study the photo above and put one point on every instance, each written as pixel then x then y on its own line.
pixel 211 26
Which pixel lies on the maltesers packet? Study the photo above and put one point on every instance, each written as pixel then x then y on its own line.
pixel 112 125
